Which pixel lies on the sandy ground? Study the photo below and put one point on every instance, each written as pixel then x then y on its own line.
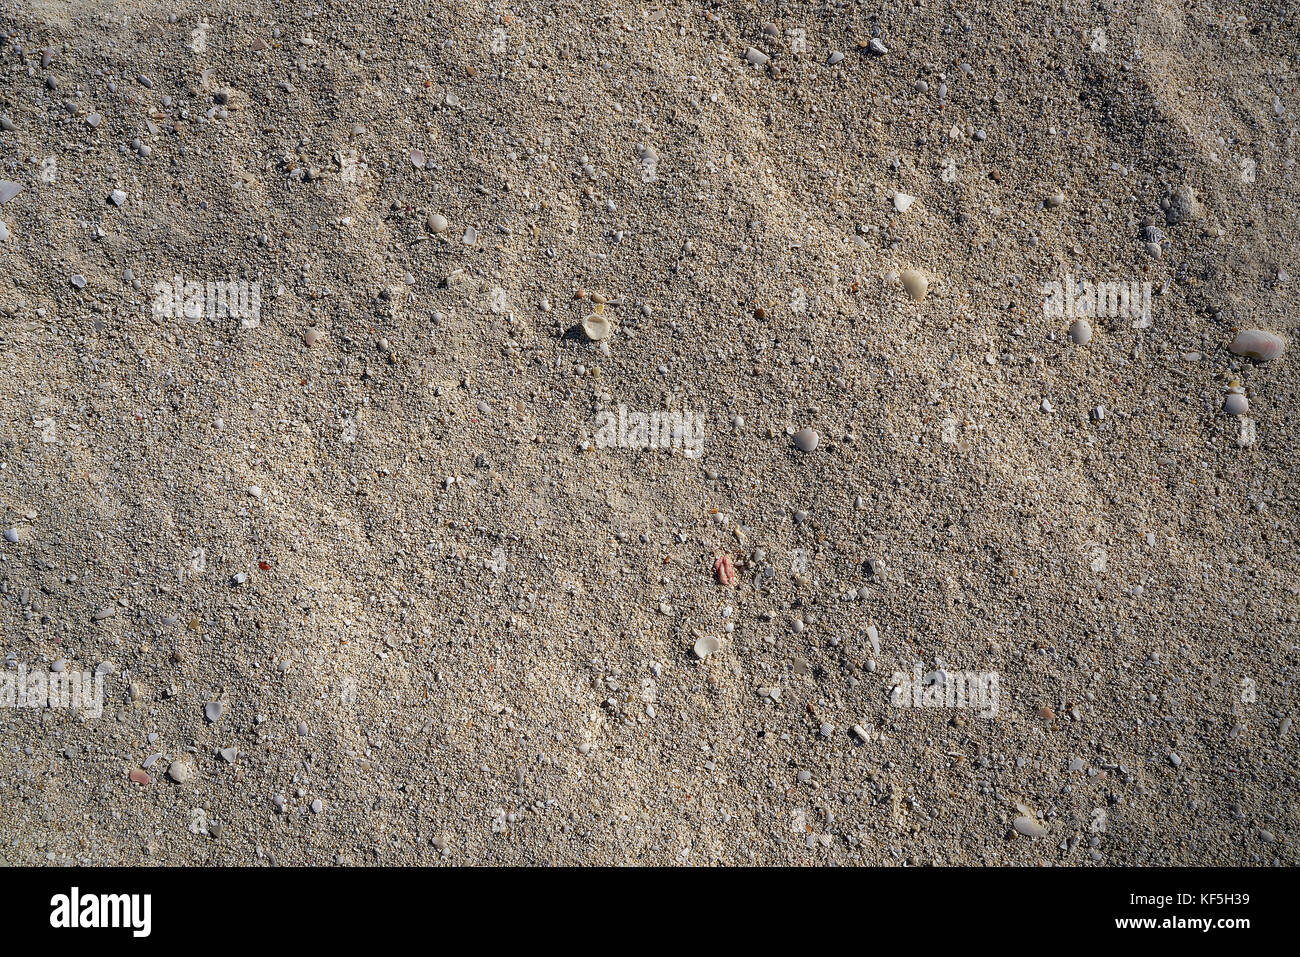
pixel 369 515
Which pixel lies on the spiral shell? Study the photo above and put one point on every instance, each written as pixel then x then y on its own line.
pixel 1258 345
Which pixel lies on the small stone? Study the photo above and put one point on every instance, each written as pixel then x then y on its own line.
pixel 213 710
pixel 78 280
pixel 806 439
pixel 93 120
pixel 1175 759
pixel 108 611
pixel 312 336
pixel 11 535
pixel 860 733
pixel 1054 201
pixel 4 232
pixel 117 197
pixel 835 57
pixel 9 189
pixel 1081 332
pixel 229 754
pixel 181 770
pixel 876 47
pixel 59 665
pixel 756 57
pixel 317 806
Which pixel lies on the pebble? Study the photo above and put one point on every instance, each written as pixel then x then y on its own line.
pixel 756 57
pixel 917 286
pixel 78 280
pixel 876 47
pixel 860 733
pixel 903 202
pixel 9 189
pixel 1236 404
pixel 317 806
pixel 139 777
pixel 1175 758
pixel 1081 332
pixel 213 710
pixel 229 754
pixel 1258 345
pixel 4 232
pixel 312 336
pixel 58 665
pixel 117 197
pixel 93 120
pixel 835 57
pixel 806 439
pixel 181 770
pixel 11 535
pixel 1029 827
pixel 104 613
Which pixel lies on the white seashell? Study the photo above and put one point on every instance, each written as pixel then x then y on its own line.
pixel 916 284
pixel 8 190
pixel 903 202
pixel 437 223
pixel 1258 345
pixel 1081 332
pixel 706 645
pixel 417 159
pixel 1236 404
pixel 1029 827
pixel 596 326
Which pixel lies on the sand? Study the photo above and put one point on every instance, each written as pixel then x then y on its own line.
pixel 362 500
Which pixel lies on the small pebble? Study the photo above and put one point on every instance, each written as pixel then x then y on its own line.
pixel 213 710
pixel 806 439
pixel 1081 332
pixel 1236 404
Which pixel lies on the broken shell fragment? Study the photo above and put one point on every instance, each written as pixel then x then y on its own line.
pixel 1257 344
pixel 596 325
pixel 916 284
pixel 706 645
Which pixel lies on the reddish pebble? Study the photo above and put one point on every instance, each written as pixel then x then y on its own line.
pixel 139 777
pixel 724 571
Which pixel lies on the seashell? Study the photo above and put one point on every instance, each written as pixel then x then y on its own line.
pixel 417 159
pixel 1081 332
pixel 706 645
pixel 1257 344
pixel 1236 404
pixel 1029 827
pixel 903 202
pixel 1054 201
pixel 724 571
pixel 437 223
pixel 597 326
pixel 1152 234
pixel 916 284
pixel 806 439
pixel 4 232
pixel 8 190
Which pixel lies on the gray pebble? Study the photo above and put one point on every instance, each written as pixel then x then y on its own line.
pixel 213 710
pixel 11 535
pixel 806 439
